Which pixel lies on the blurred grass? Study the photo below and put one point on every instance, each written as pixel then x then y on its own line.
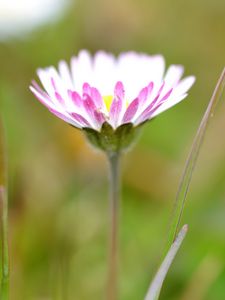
pixel 58 185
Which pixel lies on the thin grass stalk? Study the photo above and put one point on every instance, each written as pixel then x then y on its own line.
pixel 190 164
pixel 156 285
pixel 4 292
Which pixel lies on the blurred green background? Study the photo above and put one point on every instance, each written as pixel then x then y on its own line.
pixel 58 185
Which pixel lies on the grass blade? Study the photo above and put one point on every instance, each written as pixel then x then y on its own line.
pixel 192 158
pixel 156 285
pixel 4 292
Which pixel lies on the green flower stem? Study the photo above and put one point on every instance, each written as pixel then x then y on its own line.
pixel 114 169
pixel 4 292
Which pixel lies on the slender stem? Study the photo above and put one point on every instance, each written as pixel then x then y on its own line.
pixel 4 292
pixel 4 295
pixel 114 169
pixel 156 284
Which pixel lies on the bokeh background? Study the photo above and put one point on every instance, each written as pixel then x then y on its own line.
pixel 58 189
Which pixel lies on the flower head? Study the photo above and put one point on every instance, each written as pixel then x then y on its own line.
pixel 102 91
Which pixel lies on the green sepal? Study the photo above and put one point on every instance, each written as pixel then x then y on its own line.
pixel 110 140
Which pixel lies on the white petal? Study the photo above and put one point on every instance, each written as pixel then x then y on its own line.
pixel 168 104
pixel 65 117
pixel 184 85
pixel 104 72
pixel 173 75
pixel 82 69
pixel 41 98
pixel 56 108
pixel 138 70
pixel 65 74
pixel 46 82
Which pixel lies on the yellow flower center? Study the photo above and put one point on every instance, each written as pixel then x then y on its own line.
pixel 108 101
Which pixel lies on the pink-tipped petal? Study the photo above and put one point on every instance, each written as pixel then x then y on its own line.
pixel 86 88
pixel 59 98
pixel 65 117
pixel 80 119
pixel 97 98
pixel 95 117
pixel 39 90
pixel 151 105
pixel 150 87
pixel 165 103
pixel 117 108
pixel 168 104
pixel 99 117
pixel 76 98
pixel 89 105
pixel 159 93
pixel 46 81
pixel 131 111
pixel 44 100
pixel 147 115
pixel 143 95
pixel 115 111
pixel 119 91
pixel 166 96
pixel 53 84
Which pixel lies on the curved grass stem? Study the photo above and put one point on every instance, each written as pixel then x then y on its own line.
pixel 4 292
pixel 157 282
pixel 186 177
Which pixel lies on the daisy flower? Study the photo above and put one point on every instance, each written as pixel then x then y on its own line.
pixel 102 92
